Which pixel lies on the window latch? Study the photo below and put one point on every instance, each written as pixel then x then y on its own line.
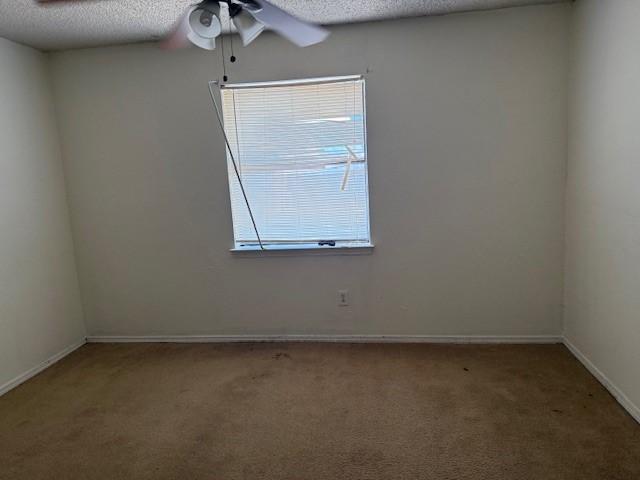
pixel 327 243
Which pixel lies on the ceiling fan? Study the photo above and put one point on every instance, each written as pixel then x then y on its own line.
pixel 200 24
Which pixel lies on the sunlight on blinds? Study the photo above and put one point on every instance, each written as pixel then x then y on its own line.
pixel 301 153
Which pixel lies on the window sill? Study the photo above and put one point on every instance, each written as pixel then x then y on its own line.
pixel 301 250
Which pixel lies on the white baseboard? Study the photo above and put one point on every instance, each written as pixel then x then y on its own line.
pixel 618 394
pixel 326 338
pixel 11 384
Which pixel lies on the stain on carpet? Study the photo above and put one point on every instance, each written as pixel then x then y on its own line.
pixel 316 411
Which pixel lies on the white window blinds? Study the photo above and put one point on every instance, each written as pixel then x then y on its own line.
pixel 300 147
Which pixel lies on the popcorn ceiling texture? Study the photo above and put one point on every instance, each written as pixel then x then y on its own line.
pixel 108 22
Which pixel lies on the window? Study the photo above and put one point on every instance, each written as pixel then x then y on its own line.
pixel 300 148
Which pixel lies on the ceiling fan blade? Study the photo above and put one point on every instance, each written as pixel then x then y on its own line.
pixel 292 28
pixel 178 37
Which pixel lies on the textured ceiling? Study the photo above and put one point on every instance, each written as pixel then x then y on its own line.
pixel 108 22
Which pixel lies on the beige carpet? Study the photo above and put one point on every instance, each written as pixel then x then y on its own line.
pixel 316 411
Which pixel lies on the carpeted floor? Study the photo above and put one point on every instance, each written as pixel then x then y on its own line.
pixel 316 411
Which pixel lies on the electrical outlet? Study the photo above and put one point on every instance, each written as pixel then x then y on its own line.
pixel 343 298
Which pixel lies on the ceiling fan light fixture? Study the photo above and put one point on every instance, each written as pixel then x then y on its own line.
pixel 204 25
pixel 248 27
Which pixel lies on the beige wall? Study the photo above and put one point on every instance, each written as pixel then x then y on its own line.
pixel 40 312
pixel 603 194
pixel 467 148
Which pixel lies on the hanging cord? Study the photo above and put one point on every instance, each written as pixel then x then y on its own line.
pixel 224 65
pixel 233 56
pixel 235 165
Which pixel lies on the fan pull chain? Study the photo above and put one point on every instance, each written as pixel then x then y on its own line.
pixel 224 65
pixel 233 57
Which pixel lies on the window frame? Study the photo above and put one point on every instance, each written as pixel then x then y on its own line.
pixel 302 246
